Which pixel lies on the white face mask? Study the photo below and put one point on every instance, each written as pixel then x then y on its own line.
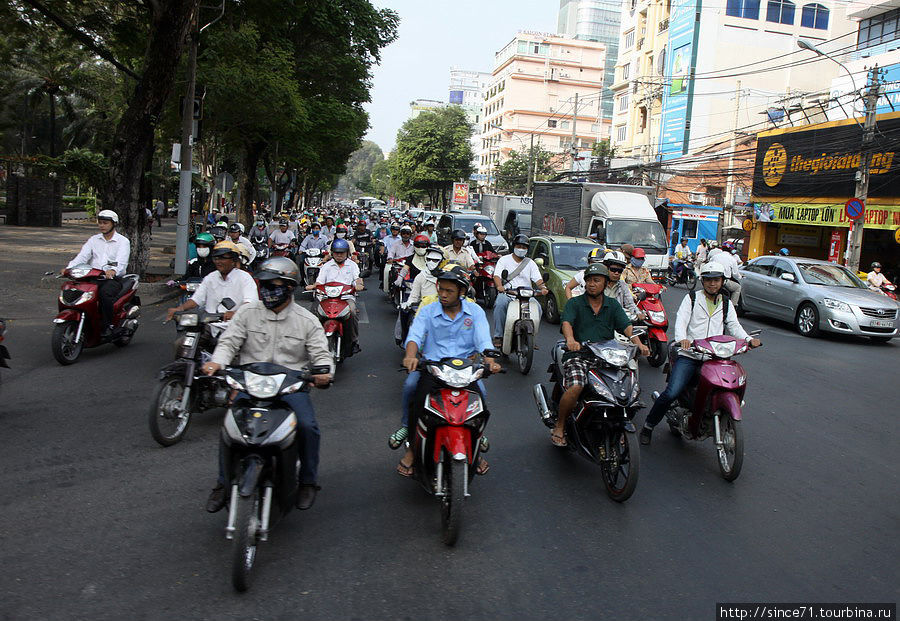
pixel 202 252
pixel 520 252
pixel 432 265
pixel 340 235
pixel 421 251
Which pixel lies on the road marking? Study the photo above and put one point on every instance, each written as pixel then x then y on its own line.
pixel 363 315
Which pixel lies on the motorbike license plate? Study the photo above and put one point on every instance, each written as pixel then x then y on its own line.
pixel 881 323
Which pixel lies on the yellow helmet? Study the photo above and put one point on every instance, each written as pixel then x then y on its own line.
pixel 224 248
pixel 596 255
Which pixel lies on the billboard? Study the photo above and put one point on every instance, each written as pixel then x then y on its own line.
pixel 680 54
pixel 460 193
pixel 456 97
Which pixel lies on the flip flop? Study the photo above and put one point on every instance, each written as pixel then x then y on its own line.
pixel 482 467
pixel 405 471
pixel 559 440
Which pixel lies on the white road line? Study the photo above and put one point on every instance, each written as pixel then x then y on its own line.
pixel 363 315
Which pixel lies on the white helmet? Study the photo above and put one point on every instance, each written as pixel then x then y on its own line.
pixel 108 214
pixel 712 270
pixel 713 244
pixel 480 228
pixel 615 257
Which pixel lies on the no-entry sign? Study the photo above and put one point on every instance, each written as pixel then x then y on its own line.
pixel 854 208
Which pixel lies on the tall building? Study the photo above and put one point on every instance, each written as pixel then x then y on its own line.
pixel 532 95
pixel 418 106
pixel 467 91
pixel 594 20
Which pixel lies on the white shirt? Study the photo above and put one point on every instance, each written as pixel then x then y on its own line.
pixel 400 250
pixel 728 262
pixel 103 254
pixel 238 285
pixel 529 274
pixel 332 272
pixel 876 279
pixel 424 284
pixel 699 324
pixel 683 252
pixel 278 237
pixel 328 231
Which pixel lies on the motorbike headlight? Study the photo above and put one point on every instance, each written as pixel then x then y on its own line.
pixel 191 286
pixel 656 316
pixel 526 293
pixel 723 350
pixel 86 296
pixel 333 292
pixel 79 272
pixel 457 378
pixel 615 357
pixel 836 305
pixel 263 386
pixel 188 320
pixel 313 262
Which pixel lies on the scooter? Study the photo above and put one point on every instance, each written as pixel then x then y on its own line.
pixel 259 448
pixel 312 264
pixel 686 275
pixel 78 321
pixel 364 256
pixel 447 439
pixel 711 407
pixel 333 311
pixel 888 290
pixel 657 322
pixel 600 427
pixel 281 250
pixel 262 253
pixel 522 325
pixel 483 283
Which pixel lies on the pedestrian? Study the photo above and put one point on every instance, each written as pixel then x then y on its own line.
pixel 149 215
pixel 160 211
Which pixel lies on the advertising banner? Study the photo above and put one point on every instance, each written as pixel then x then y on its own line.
pixel 876 216
pixel 676 98
pixel 460 193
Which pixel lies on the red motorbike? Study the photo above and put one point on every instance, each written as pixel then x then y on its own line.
pixel 447 441
pixel 484 278
pixel 657 322
pixel 281 250
pixel 711 406
pixel 333 310
pixel 78 323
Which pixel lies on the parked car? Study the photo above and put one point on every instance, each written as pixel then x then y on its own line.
pixel 816 295
pixel 466 221
pixel 559 258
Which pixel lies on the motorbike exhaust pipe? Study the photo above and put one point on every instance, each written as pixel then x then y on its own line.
pixel 130 324
pixel 134 312
pixel 540 399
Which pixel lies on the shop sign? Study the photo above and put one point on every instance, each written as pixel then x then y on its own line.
pixel 835 248
pixel 795 235
pixel 876 216
pixel 897 236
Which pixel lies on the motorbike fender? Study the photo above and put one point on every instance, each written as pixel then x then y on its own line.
pixel 658 333
pixel 179 367
pixel 333 327
pixel 728 402
pixel 251 469
pixel 67 315
pixel 457 441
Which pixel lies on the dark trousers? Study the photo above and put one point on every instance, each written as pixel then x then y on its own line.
pixel 108 291
pixel 683 371
pixel 308 437
pixel 158 219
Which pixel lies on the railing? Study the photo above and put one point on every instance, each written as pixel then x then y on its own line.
pixel 663 25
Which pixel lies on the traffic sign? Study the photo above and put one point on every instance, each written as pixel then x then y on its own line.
pixel 747 225
pixel 854 208
pixel 897 236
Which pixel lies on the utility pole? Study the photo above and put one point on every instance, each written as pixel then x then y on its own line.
pixel 730 191
pixel 532 164
pixel 854 243
pixel 574 138
pixel 187 165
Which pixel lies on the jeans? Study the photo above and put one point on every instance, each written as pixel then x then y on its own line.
pixel 500 307
pixel 308 437
pixel 108 291
pixel 676 267
pixel 409 391
pixel 683 371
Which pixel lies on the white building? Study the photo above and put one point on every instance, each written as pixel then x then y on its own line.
pixel 466 90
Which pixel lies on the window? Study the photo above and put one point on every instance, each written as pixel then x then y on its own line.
pixel 879 29
pixel 595 128
pixel 564 125
pixel 629 39
pixel 622 103
pixel 643 119
pixel 780 12
pixel 762 266
pixel 551 123
pixel 782 267
pixel 689 229
pixel 626 71
pixel 748 9
pixel 620 133
pixel 565 142
pixel 814 16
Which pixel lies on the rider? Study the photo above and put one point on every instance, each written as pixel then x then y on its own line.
pixel 521 272
pixel 480 243
pixel 399 250
pixel 456 251
pixel 362 234
pixel 328 230
pixel 576 285
pixel 339 269
pixel 591 317
pixel 251 333
pixel 415 263
pixel 636 272
pixel 455 328
pixel 315 239
pixel 429 230
pixel 109 251
pixel 699 317
pixel 875 279
pixel 726 258
pixel 225 282
pixel 258 233
pixel 425 284
pixel 340 232
pixel 202 264
pixel 682 254
pixel 236 233
pixel 616 288
pixel 282 235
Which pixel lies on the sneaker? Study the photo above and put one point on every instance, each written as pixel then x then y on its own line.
pixel 216 500
pixel 307 495
pixel 646 435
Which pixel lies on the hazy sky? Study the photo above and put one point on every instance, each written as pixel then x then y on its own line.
pixel 435 34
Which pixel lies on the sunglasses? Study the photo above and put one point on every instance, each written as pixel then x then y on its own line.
pixel 615 270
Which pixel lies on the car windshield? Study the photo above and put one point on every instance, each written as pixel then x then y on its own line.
pixel 646 234
pixel 467 224
pixel 829 275
pixel 571 256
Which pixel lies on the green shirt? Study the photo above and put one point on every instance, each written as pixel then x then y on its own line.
pixel 587 326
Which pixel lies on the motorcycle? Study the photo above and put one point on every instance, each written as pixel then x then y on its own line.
pixel 262 252
pixel 686 276
pixel 364 256
pixel 522 325
pixel 312 263
pixel 182 388
pixel 447 439
pixel 600 427
pixel 711 407
pixel 888 290
pixel 657 322
pixel 259 448
pixel 484 278
pixel 4 353
pixel 394 291
pixel 78 325
pixel 333 310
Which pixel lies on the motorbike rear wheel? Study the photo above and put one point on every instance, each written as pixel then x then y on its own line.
pixel 62 342
pixel 167 423
pixel 452 501
pixel 621 448
pixel 490 297
pixel 731 456
pixel 690 279
pixel 657 353
pixel 243 551
pixel 525 352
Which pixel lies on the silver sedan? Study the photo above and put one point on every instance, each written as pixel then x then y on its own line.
pixel 816 295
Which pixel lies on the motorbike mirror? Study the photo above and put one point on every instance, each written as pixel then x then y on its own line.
pixel 228 303
pixel 491 353
pixel 504 274
pixel 539 261
pixel 788 277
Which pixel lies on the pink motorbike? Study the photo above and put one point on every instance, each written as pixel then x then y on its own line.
pixel 711 407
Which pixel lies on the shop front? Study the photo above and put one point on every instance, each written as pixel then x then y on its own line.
pixel 693 222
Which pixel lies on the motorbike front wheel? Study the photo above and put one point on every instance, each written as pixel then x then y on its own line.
pixel 334 346
pixel 525 352
pixel 690 280
pixel 490 297
pixel 168 423
pixel 452 501
pixel 622 464
pixel 731 455
pixel 243 552
pixel 62 342
pixel 657 353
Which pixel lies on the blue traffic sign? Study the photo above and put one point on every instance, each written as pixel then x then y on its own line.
pixel 854 208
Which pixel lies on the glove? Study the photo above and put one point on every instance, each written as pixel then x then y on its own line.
pixel 399 281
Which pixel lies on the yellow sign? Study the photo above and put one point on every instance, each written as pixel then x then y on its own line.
pixel 457 363
pixel 897 236
pixel 774 164
pixel 876 217
pixel 747 225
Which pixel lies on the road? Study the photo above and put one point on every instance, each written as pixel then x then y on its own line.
pixel 101 523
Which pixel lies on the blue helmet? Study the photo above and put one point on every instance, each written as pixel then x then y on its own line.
pixel 784 252
pixel 340 245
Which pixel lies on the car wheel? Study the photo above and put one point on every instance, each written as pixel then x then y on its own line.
pixel 807 320
pixel 739 309
pixel 552 314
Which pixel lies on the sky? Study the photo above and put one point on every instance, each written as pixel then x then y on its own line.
pixel 435 35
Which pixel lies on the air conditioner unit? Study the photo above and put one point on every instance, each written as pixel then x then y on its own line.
pixel 696 197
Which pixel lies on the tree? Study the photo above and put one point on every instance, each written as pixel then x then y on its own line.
pixel 511 177
pixel 604 151
pixel 358 177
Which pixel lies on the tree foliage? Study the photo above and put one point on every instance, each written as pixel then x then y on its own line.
pixel 511 176
pixel 358 178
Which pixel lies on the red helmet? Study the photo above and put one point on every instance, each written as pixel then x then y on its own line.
pixel 638 253
pixel 341 228
pixel 421 241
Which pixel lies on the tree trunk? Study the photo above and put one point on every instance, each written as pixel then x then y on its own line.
pixel 133 139
pixel 252 153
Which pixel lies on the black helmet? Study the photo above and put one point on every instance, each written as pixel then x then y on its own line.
pixel 235 227
pixel 520 239
pixel 279 267
pixel 458 234
pixel 876 264
pixel 457 274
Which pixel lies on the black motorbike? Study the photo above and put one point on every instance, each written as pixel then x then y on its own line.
pixel 364 248
pixel 600 427
pixel 686 275
pixel 259 444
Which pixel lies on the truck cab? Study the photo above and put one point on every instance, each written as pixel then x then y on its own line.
pixel 619 218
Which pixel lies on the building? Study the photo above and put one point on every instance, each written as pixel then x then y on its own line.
pixel 418 106
pixel 466 90
pixel 532 94
pixel 594 20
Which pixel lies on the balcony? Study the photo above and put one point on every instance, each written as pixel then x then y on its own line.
pixel 663 25
pixel 640 43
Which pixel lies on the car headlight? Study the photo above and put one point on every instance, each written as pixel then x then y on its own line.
pixel 188 320
pixel 615 357
pixel 656 316
pixel 837 305
pixel 263 386
pixel 333 292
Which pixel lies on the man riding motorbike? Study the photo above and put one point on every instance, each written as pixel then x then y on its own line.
pixel 340 232
pixel 236 233
pixel 399 250
pixel 875 279
pixel 252 333
pixel 682 253
pixel 203 263
pixel 699 317
pixel 258 234
pixel 592 317
pixel 339 269
pixel 635 272
pixel 457 252
pixel 109 251
pixel 415 263
pixel 724 256
pixel 521 272
pixel 425 283
pixel 480 243
pixel 315 239
pixel 616 288
pixel 576 285
pixel 453 328
pixel 282 235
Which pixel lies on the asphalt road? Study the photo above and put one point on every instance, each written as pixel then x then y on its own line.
pixel 99 522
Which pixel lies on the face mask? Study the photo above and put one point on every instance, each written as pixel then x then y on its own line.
pixel 421 251
pixel 340 235
pixel 202 252
pixel 637 262
pixel 520 252
pixel 315 233
pixel 274 296
pixel 432 265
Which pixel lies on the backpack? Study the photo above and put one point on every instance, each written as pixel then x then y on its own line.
pixel 725 302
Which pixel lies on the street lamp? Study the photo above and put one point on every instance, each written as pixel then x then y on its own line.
pixel 803 44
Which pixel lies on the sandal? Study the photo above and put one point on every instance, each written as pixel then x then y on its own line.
pixel 559 439
pixel 482 467
pixel 405 471
pixel 398 437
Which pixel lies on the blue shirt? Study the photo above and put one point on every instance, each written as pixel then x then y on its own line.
pixel 439 337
